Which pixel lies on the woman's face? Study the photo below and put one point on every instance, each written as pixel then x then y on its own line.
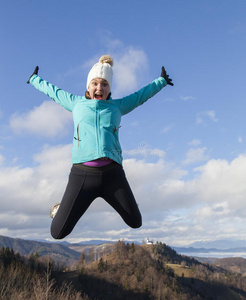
pixel 99 89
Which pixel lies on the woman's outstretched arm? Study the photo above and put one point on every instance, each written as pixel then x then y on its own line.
pixel 65 99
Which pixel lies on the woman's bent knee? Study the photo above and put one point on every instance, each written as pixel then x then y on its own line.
pixel 56 232
pixel 136 223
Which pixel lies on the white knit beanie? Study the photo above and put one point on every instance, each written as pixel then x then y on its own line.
pixel 103 69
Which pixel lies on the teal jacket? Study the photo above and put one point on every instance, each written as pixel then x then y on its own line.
pixel 96 122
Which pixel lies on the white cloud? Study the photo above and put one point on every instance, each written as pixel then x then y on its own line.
pixel 195 155
pixel 111 43
pixel 206 115
pixel 207 213
pixel 221 181
pixel 194 143
pixel 240 139
pixel 168 99
pixel 146 153
pixel 27 194
pixel 174 209
pixel 167 128
pixel 187 98
pixel 151 182
pixel 1 159
pixel 49 120
pixel 211 205
pixel 129 66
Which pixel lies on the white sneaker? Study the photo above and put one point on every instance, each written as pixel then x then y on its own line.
pixel 54 210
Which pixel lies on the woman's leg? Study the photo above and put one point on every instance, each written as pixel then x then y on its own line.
pixel 87 183
pixel 117 192
pixel 79 194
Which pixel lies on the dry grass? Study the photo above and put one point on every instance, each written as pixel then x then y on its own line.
pixel 17 283
pixel 181 271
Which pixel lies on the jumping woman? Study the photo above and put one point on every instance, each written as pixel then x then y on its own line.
pixel 96 155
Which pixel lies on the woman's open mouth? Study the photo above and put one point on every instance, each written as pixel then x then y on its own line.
pixel 98 96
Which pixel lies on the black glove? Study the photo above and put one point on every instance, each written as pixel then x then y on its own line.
pixel 34 73
pixel 165 76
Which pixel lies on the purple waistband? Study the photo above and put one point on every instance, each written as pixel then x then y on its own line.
pixel 100 162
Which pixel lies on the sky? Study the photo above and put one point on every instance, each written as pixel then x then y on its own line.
pixel 184 150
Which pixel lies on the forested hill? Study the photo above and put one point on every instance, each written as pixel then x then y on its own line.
pixel 57 252
pixel 233 264
pixel 155 272
pixel 127 271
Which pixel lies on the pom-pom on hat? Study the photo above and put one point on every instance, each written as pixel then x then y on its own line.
pixel 103 69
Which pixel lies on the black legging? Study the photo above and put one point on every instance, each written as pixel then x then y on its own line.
pixel 87 183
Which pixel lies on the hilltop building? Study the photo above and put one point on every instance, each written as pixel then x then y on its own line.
pixel 149 242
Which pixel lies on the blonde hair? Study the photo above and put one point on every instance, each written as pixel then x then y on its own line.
pixel 87 95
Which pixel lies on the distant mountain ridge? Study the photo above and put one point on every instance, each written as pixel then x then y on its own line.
pixel 90 242
pixel 226 246
pixel 219 244
pixel 209 250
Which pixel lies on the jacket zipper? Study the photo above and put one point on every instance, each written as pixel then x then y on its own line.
pixel 97 129
pixel 77 135
pixel 116 129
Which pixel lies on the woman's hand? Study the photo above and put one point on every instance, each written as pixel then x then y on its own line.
pixel 165 76
pixel 35 72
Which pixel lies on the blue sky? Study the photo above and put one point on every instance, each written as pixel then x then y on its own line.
pixel 184 150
